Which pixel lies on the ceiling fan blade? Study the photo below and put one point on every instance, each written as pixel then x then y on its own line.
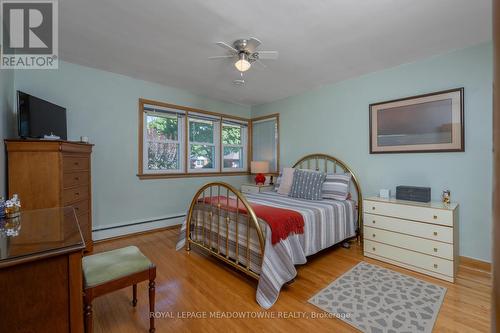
pixel 252 44
pixel 221 57
pixel 268 55
pixel 227 47
pixel 260 63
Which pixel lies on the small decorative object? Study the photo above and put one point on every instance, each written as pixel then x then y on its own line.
pixel 259 168
pixel 13 207
pixel 12 223
pixel 385 193
pixel 11 227
pixel 2 208
pixel 84 139
pixel 413 193
pixel 425 123
pixel 446 197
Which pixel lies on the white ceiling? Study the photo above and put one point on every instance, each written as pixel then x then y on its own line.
pixel 319 41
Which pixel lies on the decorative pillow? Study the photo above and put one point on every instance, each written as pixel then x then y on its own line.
pixel 336 186
pixel 286 181
pixel 307 184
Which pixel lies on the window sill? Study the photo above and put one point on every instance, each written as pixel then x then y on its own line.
pixel 145 176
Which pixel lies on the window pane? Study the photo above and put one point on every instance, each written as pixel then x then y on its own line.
pixel 201 131
pixel 202 157
pixel 233 157
pixel 163 156
pixel 231 135
pixel 162 128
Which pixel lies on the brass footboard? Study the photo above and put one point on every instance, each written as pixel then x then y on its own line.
pixel 221 222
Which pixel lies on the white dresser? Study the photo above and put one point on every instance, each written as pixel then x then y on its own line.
pixel 252 188
pixel 419 236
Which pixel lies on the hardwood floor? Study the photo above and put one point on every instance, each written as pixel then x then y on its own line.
pixel 188 283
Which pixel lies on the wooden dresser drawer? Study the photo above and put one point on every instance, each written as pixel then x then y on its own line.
pixel 419 260
pixel 419 229
pixel 86 228
pixel 75 179
pixel 80 206
pixel 409 212
pixel 426 246
pixel 75 194
pixel 75 163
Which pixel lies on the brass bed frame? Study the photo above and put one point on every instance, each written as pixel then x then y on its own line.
pixel 318 162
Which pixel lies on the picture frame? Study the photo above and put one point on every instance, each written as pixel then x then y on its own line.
pixel 426 123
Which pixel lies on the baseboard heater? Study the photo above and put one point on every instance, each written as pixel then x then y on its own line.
pixel 138 223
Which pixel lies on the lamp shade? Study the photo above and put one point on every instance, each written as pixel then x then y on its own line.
pixel 259 167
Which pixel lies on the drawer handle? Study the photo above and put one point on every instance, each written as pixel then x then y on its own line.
pixel 435 217
pixel 373 235
pixel 373 249
pixel 373 208
pixel 77 193
pixel 435 265
pixel 373 221
pixel 77 178
pixel 435 233
pixel 76 163
pixel 76 208
pixel 435 249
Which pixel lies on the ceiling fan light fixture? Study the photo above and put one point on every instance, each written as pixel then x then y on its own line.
pixel 242 64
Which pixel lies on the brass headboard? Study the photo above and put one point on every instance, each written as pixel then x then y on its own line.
pixel 329 164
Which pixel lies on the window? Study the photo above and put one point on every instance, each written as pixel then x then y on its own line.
pixel 177 141
pixel 265 141
pixel 203 143
pixel 163 140
pixel 234 145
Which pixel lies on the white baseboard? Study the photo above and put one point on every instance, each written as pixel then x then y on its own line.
pixel 122 229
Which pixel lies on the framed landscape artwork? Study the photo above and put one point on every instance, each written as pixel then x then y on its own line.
pixel 425 123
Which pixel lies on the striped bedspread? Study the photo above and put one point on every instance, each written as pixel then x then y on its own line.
pixel 326 222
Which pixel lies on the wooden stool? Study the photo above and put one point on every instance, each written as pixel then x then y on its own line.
pixel 109 271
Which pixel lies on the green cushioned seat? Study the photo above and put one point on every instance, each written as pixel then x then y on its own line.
pixel 111 265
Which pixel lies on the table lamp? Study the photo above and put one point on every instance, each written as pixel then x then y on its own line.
pixel 259 168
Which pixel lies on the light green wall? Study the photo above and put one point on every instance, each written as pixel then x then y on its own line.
pixel 334 120
pixel 6 115
pixel 104 107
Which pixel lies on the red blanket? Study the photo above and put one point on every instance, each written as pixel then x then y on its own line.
pixel 282 222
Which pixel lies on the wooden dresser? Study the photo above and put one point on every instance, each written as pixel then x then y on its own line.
pixel 419 236
pixel 49 174
pixel 41 272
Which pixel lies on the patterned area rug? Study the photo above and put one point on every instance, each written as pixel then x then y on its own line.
pixel 374 299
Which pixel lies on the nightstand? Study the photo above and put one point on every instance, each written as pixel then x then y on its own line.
pixel 252 188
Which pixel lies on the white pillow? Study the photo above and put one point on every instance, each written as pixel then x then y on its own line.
pixel 336 186
pixel 286 181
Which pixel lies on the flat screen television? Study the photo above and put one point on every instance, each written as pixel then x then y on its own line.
pixel 37 117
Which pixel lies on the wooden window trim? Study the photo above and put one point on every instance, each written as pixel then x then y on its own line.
pixel 186 174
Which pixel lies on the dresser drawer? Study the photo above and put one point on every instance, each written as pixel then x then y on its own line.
pixel 74 163
pixel 84 223
pixel 409 212
pixel 419 229
pixel 429 263
pixel 80 207
pixel 75 179
pixel 75 194
pixel 426 246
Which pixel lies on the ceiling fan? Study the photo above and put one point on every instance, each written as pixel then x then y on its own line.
pixel 245 52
